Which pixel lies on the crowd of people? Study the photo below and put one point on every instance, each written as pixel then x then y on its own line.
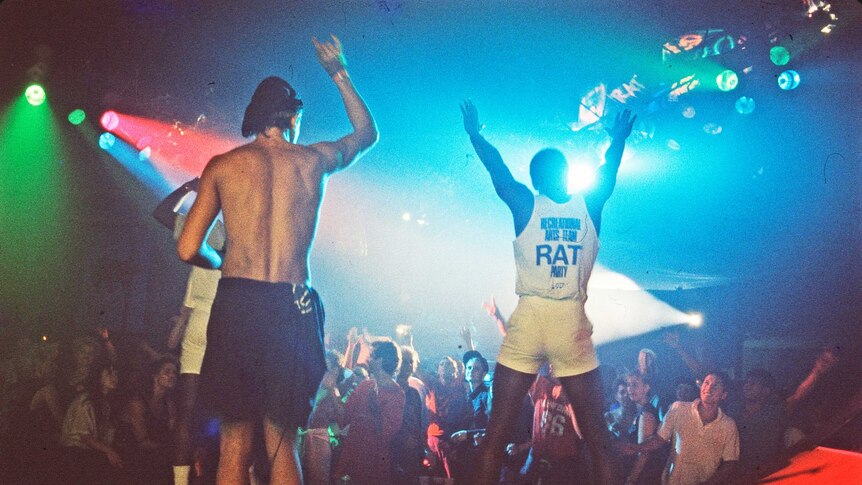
pixel 90 411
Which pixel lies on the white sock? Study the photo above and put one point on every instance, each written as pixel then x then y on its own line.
pixel 181 474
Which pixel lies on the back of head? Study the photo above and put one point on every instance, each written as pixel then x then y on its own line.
pixel 274 103
pixel 388 353
pixel 549 171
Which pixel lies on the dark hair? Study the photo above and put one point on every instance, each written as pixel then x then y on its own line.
pixel 93 389
pixel 154 368
pixel 721 376
pixel 273 103
pixel 545 165
pixel 389 353
pixel 481 360
pixel 406 349
pixel 469 355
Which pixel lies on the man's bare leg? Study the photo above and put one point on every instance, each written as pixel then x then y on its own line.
pixel 235 453
pixel 510 387
pixel 282 452
pixel 585 393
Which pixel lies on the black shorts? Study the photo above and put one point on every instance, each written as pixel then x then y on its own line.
pixel 264 355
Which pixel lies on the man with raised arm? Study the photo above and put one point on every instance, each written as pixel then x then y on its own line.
pixel 556 241
pixel 265 357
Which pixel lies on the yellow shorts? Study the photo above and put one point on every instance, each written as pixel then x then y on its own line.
pixel 555 331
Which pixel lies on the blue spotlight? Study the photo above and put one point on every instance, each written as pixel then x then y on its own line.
pixel 106 141
pixel 745 105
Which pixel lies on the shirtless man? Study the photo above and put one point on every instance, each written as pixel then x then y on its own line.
pixel 264 357
pixel 556 242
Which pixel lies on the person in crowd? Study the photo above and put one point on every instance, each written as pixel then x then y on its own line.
pixel 704 441
pixel 408 446
pixel 146 427
pixel 660 394
pixel 556 448
pixel 88 430
pixel 622 410
pixel 323 422
pixel 265 352
pixel 556 243
pixel 449 411
pixel 375 413
pixel 759 420
pixel 190 327
pixel 646 468
pixel 479 397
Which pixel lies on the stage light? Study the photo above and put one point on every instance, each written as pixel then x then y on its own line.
pixel 827 29
pixel 779 55
pixel 695 320
pixel 110 120
pixel 581 177
pixel 44 338
pixel 712 128
pixel 35 94
pixel 106 141
pixel 744 105
pixel 689 112
pixel 788 80
pixel 405 216
pixel 144 154
pixel 77 117
pixel 727 80
pixel 673 145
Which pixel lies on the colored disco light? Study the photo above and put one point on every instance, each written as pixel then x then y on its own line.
pixel 689 112
pixel 35 94
pixel 828 28
pixel 779 55
pixel 106 141
pixel 712 128
pixel 110 120
pixel 727 80
pixel 673 145
pixel 745 105
pixel 77 117
pixel 788 80
pixel 144 154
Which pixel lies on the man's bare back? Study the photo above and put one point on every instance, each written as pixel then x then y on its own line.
pixel 270 193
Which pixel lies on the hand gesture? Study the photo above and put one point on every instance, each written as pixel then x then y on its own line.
pixel 492 310
pixel 352 336
pixel 330 55
pixel 622 125
pixel 471 118
pixel 114 458
pixel 466 335
pixel 825 361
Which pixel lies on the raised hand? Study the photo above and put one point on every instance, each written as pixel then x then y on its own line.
pixel 622 125
pixel 330 55
pixel 471 118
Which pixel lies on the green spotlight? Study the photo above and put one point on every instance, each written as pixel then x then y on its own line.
pixel 77 117
pixel 779 55
pixel 727 80
pixel 35 94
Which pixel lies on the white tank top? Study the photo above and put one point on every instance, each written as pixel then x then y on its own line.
pixel 554 254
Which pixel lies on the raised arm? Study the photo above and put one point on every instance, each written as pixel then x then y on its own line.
pixel 192 246
pixel 166 211
pixel 514 194
pixel 342 153
pixel 606 175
